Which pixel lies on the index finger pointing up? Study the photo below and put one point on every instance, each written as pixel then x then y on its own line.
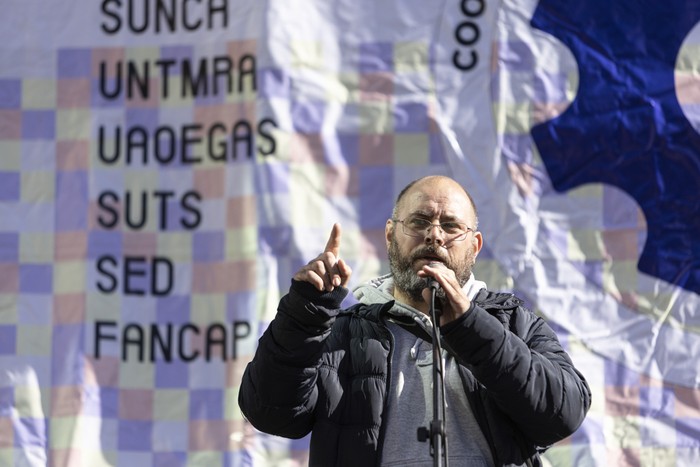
pixel 333 244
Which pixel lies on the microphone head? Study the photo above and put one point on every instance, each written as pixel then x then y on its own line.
pixel 433 284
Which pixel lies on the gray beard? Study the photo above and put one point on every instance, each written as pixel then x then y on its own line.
pixel 407 281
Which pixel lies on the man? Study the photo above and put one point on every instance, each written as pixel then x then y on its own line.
pixel 360 379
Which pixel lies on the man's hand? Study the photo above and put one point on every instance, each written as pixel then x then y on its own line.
pixel 327 271
pixel 456 302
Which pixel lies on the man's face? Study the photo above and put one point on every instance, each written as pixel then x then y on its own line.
pixel 438 201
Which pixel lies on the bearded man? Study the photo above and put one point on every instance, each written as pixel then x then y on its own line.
pixel 359 379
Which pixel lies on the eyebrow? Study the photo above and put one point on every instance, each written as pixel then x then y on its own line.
pixel 445 217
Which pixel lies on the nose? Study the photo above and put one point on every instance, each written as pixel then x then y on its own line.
pixel 434 234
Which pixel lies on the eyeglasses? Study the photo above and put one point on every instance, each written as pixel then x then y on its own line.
pixel 419 227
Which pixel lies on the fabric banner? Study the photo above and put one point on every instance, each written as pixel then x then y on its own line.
pixel 167 165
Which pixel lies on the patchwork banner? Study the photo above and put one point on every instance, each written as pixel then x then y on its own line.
pixel 167 165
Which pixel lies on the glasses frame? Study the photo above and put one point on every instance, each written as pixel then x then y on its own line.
pixel 416 234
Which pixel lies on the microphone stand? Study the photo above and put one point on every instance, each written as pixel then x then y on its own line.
pixel 436 431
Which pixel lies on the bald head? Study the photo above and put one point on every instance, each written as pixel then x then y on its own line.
pixel 437 183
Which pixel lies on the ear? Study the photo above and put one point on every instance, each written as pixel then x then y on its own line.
pixel 388 232
pixel 477 242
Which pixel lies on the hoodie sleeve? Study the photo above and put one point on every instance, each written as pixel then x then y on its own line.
pixel 527 373
pixel 278 391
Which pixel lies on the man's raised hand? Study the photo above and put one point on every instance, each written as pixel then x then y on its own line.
pixel 327 271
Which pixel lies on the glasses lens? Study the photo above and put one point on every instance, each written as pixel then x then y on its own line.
pixel 415 226
pixel 419 227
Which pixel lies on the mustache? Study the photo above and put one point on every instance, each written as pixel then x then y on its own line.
pixel 430 251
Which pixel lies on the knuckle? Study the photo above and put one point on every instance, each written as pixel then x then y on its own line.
pixel 317 265
pixel 327 256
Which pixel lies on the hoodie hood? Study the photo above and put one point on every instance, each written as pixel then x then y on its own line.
pixel 380 290
pixel 377 290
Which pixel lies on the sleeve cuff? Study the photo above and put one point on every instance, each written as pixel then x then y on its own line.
pixel 328 300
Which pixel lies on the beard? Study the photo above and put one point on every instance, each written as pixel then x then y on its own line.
pixel 405 277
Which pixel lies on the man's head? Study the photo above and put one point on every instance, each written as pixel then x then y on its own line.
pixel 411 243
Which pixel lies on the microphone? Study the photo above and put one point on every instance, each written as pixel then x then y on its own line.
pixel 433 284
pixel 435 304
